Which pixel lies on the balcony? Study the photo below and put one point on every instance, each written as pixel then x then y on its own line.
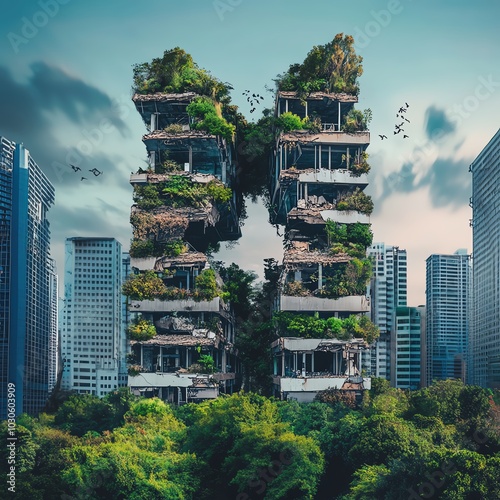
pixel 144 306
pixel 345 216
pixel 337 176
pixel 352 304
pixel 326 138
pixel 315 383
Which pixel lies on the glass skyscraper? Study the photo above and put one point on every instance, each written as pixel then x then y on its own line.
pixel 447 315
pixel 26 308
pixel 484 341
pixel 388 290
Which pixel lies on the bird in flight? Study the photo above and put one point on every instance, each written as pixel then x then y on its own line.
pixel 95 172
pixel 407 105
pixel 74 168
pixel 405 136
pixel 382 136
pixel 83 179
pixel 407 120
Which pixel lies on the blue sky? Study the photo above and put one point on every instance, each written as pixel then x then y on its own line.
pixel 66 73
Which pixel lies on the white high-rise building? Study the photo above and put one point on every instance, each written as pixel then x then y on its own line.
pixel 54 326
pixel 93 337
pixel 447 315
pixel 484 341
pixel 388 290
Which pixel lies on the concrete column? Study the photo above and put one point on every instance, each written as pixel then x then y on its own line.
pixel 320 276
pixel 338 124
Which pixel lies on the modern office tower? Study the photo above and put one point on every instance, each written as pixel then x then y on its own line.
pixel 54 324
pixel 92 330
pixel 25 292
pixel 484 341
pixel 448 280
pixel 181 330
pixel 317 182
pixel 408 328
pixel 388 290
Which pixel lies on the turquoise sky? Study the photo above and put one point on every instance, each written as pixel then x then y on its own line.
pixel 66 65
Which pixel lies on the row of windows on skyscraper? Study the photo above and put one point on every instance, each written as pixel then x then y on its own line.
pixel 456 335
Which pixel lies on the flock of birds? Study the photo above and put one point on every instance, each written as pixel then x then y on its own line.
pixel 94 170
pixel 398 128
pixel 252 98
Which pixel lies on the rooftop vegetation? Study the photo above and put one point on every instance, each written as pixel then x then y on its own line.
pixel 176 72
pixel 356 121
pixel 333 67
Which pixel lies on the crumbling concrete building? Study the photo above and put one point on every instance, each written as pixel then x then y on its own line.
pixel 318 177
pixel 182 331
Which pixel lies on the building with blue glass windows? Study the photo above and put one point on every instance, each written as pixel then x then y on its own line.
pixel 26 308
pixel 448 287
pixel 484 337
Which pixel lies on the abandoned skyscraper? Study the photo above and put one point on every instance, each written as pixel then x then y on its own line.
pixel 319 173
pixel 182 331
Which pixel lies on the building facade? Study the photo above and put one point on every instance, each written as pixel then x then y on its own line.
pixel 409 326
pixel 484 340
pixel 448 287
pixel 388 290
pixel 318 179
pixel 182 332
pixel 92 334
pixel 54 324
pixel 26 307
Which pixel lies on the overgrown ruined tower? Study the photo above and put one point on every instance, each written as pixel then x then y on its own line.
pixel 182 332
pixel 319 173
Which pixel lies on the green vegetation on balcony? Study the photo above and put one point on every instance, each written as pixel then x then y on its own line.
pixel 309 327
pixel 352 239
pixel 361 166
pixel 288 122
pixel 207 363
pixel 356 121
pixel 208 117
pixel 350 278
pixel 333 67
pixel 157 226
pixel 149 286
pixel 176 72
pixel 340 280
pixel 150 248
pixel 174 128
pixel 358 201
pixel 134 370
pixel 141 329
pixel 180 191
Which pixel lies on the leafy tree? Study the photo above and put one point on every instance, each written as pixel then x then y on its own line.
pixel 238 285
pixel 177 72
pixel 333 67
